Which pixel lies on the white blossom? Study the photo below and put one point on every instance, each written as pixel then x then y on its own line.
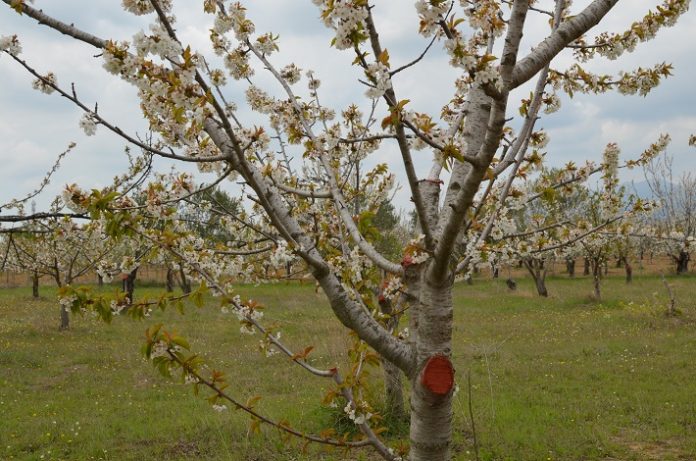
pixel 46 83
pixel 159 349
pixel 291 73
pixel 10 43
pixel 88 123
pixel 381 81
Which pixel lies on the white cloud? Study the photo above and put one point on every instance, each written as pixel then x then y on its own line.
pixel 34 128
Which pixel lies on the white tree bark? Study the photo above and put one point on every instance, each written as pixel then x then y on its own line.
pixel 568 31
pixel 431 413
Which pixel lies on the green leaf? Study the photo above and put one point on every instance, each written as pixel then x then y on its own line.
pixel 182 342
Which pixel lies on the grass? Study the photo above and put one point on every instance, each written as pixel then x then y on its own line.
pixel 561 378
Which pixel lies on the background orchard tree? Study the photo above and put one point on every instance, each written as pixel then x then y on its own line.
pixel 122 262
pixel 303 196
pixel 604 208
pixel 674 223
pixel 21 245
pixel 546 228
pixel 19 254
pixel 626 244
pixel 57 248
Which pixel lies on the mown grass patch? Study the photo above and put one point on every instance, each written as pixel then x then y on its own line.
pixel 561 378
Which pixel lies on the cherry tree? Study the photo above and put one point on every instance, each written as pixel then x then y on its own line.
pixel 20 255
pixel 58 248
pixel 546 229
pixel 306 194
pixel 610 209
pixel 21 245
pixel 674 224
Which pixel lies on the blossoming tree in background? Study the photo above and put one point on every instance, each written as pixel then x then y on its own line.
pixel 58 248
pixel 546 228
pixel 674 224
pixel 20 251
pixel 303 194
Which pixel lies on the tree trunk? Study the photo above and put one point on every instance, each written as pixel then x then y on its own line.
pixel 170 280
pixel 64 318
pixel 683 262
pixel 100 281
pixel 64 314
pixel 129 285
pixel 629 271
pixel 570 267
pixel 35 285
pixel 184 281
pixel 540 281
pixel 538 272
pixel 586 266
pixel 393 386
pixel 596 278
pixel 433 384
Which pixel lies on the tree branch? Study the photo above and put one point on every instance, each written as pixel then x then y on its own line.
pixel 565 34
pixel 63 28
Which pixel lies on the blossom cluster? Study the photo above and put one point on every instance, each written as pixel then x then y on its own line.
pixel 75 198
pixel 157 43
pixel 358 417
pixel 414 252
pixel 10 44
pixel 347 18
pixel 430 13
pixel 378 74
pixel 171 99
pixel 46 83
pixel 142 7
pixel 427 128
pixel 485 15
pixel 280 256
pixel 613 46
pixel 88 123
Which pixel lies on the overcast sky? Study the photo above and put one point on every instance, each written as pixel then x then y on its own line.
pixel 34 127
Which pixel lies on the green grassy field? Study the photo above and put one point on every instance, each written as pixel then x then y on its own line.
pixel 561 378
